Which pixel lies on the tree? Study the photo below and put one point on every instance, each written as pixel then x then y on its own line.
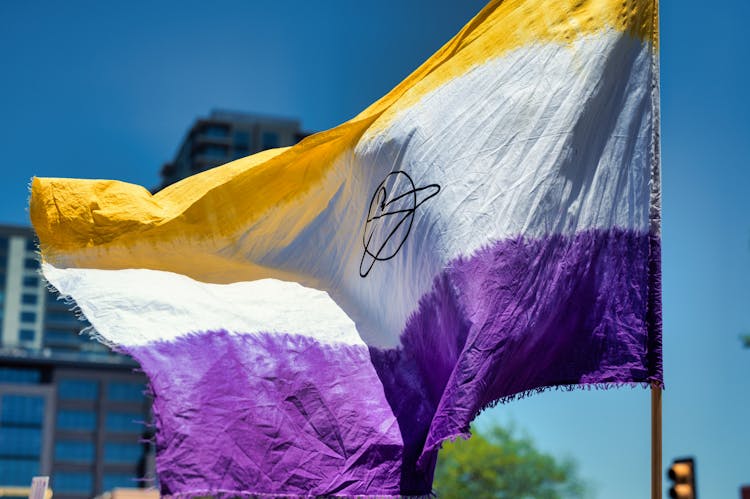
pixel 497 464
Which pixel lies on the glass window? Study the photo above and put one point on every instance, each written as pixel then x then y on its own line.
pixel 215 130
pixel 66 336
pixel 27 334
pixel 20 442
pixel 18 472
pixel 113 480
pixel 214 151
pixel 124 422
pixel 31 263
pixel 116 452
pixel 19 375
pixel 31 281
pixel 28 317
pixel 270 140
pixel 72 482
pixel 29 299
pixel 125 391
pixel 76 452
pixel 78 389
pixel 76 420
pixel 31 244
pixel 64 317
pixel 241 139
pixel 22 410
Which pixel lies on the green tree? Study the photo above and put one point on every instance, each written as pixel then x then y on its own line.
pixel 495 463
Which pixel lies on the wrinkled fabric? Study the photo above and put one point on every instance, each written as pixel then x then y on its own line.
pixel 316 320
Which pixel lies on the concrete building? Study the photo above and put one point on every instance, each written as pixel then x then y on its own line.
pixel 224 136
pixel 69 408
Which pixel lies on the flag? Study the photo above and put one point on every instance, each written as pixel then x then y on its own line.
pixel 316 320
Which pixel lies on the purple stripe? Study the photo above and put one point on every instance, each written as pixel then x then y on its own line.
pixel 270 414
pixel 522 315
pixel 283 414
pixel 653 316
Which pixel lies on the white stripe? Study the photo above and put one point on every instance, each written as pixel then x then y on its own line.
pixel 549 138
pixel 136 306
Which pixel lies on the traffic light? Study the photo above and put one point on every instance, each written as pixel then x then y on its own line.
pixel 682 474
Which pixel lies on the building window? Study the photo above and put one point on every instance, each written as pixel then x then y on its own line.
pixel 31 281
pixel 125 391
pixel 64 337
pixel 20 375
pixel 29 299
pixel 76 420
pixel 21 442
pixel 31 263
pixel 215 131
pixel 114 480
pixel 241 139
pixel 124 422
pixel 18 472
pixel 74 452
pixel 28 317
pixel 78 389
pixel 270 140
pixel 72 482
pixel 214 151
pixel 115 452
pixel 20 438
pixel 240 152
pixel 64 317
pixel 32 244
pixel 27 334
pixel 22 410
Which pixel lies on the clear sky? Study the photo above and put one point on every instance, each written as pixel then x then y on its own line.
pixel 108 89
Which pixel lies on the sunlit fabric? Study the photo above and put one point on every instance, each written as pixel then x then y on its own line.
pixel 316 320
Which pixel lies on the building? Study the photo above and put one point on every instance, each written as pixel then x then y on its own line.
pixel 225 136
pixel 69 408
pixel 33 318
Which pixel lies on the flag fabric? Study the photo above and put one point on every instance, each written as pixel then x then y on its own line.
pixel 316 320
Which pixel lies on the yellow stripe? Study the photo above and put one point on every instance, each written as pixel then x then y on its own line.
pixel 108 224
pixel 504 25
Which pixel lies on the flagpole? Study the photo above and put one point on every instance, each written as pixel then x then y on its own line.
pixel 656 491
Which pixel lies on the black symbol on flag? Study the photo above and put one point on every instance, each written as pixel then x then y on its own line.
pixel 390 217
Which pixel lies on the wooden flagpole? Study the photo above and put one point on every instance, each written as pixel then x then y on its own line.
pixel 656 491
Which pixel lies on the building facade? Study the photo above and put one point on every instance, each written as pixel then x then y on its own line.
pixel 224 136
pixel 69 408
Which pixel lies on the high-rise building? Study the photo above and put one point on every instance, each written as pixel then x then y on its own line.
pixel 69 408
pixel 224 136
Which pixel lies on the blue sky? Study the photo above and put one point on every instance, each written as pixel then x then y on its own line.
pixel 107 90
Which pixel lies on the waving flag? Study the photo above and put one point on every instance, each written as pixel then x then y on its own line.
pixel 316 320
